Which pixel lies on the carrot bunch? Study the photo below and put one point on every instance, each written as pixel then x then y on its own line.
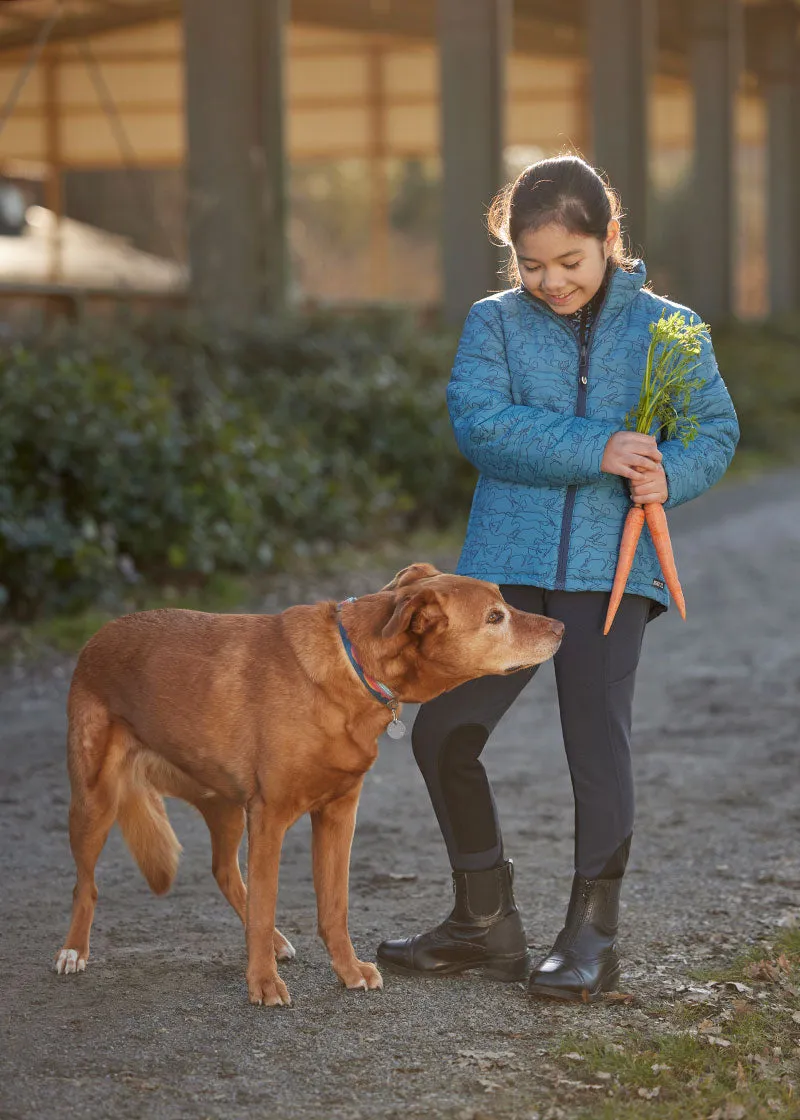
pixel 664 406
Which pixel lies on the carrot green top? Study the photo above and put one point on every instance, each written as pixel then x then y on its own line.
pixel 665 398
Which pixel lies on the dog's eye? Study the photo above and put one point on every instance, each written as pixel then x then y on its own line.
pixel 495 616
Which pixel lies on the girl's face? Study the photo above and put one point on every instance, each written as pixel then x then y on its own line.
pixel 563 270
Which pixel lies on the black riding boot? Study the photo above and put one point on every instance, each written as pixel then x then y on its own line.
pixel 483 931
pixel 583 963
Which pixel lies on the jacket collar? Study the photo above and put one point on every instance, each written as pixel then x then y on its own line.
pixel 623 287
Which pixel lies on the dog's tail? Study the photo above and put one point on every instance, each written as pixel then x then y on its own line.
pixel 145 825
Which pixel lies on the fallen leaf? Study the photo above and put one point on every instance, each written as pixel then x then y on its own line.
pixel 738 986
pixel 486 1055
pixel 715 1040
pixel 573 1057
pixel 741 1076
pixel 705 1025
pixel 784 963
pixel 649 1094
pixel 762 970
pixel 740 1006
pixel 729 1111
pixel 774 1106
pixel 701 995
pixel 486 1060
pixel 619 997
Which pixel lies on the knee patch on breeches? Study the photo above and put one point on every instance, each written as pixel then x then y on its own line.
pixel 465 788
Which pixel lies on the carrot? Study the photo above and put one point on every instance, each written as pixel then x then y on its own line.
pixel 627 550
pixel 664 405
pixel 656 520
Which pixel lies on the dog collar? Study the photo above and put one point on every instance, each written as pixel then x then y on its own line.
pixel 377 689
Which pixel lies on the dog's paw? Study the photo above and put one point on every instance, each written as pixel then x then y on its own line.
pixel 269 991
pixel 361 976
pixel 284 950
pixel 69 961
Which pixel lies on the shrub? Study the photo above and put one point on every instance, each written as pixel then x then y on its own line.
pixel 761 366
pixel 173 452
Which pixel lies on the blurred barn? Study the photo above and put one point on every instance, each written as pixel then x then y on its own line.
pixel 243 154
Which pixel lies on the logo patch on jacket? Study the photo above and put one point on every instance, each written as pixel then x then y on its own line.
pixel 659 583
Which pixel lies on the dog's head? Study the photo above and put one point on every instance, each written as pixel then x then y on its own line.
pixel 437 631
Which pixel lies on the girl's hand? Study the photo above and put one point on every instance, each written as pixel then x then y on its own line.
pixel 649 486
pixel 628 453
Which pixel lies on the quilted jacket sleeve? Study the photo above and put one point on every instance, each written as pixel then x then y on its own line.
pixel 508 441
pixel 692 469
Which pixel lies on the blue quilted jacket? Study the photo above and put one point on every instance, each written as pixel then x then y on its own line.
pixel 532 409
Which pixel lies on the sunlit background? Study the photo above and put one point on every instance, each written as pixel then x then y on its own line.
pixel 97 135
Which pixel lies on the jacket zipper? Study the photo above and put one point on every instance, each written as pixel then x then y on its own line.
pixel 585 346
pixel 572 491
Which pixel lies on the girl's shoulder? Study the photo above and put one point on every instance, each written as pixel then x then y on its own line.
pixel 496 314
pixel 653 306
pixel 500 302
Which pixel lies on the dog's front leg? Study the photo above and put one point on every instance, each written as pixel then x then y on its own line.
pixel 332 836
pixel 264 841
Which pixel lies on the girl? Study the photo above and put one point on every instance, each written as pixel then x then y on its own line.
pixel 543 378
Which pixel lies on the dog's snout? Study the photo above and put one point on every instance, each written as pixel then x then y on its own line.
pixel 557 627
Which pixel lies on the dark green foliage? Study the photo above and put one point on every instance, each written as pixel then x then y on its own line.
pixel 761 366
pixel 172 451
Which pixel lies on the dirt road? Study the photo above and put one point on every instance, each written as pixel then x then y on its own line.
pixel 159 1025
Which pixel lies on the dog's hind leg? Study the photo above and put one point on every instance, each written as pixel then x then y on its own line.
pixel 95 759
pixel 226 823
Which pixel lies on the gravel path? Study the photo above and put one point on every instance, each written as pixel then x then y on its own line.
pixel 159 1025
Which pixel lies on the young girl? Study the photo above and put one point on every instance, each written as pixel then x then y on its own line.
pixel 544 376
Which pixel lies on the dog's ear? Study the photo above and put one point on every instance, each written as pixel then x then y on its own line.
pixel 416 613
pixel 410 574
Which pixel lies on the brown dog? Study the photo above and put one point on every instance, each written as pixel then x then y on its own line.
pixel 261 718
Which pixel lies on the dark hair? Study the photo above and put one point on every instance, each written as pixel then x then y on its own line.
pixel 564 190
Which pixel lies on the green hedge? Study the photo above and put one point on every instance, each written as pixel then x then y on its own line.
pixel 170 452
pixel 761 366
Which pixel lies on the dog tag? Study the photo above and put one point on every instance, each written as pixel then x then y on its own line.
pixel 396 729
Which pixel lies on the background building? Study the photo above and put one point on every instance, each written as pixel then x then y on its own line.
pixel 344 150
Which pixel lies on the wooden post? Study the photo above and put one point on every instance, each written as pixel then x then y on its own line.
pixel 378 174
pixel 474 37
pixel 54 183
pixel 235 156
pixel 779 68
pixel 714 36
pixel 621 37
